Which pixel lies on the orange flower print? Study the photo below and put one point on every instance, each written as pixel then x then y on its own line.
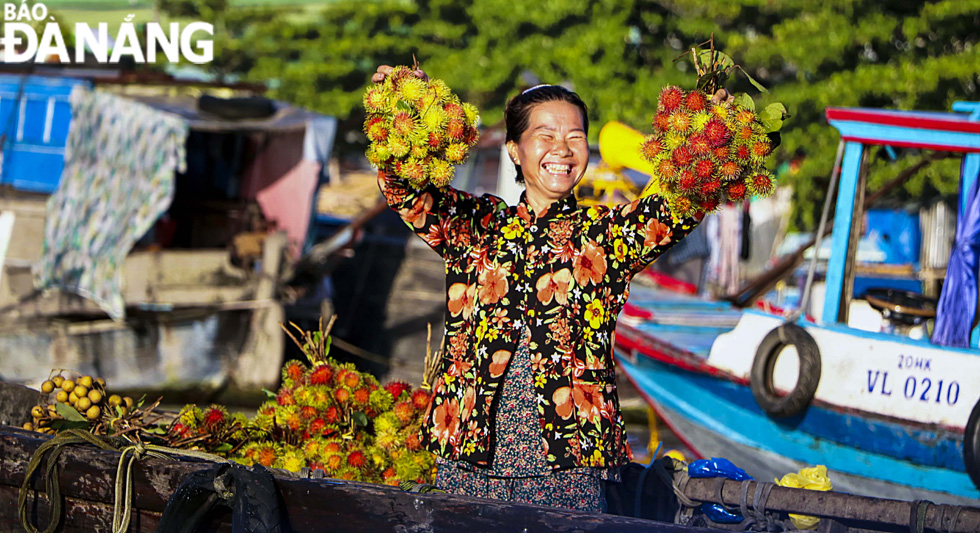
pixel 554 285
pixel 590 264
pixel 420 208
pixel 500 359
pixel 594 313
pixel 469 400
pixel 559 232
pixel 445 421
pixel 657 234
pixel 564 406
pixel 588 401
pixel 462 299
pixel 493 285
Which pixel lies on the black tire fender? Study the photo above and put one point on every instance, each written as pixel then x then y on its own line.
pixel 761 377
pixel 971 445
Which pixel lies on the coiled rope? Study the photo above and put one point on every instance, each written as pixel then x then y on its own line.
pixel 129 453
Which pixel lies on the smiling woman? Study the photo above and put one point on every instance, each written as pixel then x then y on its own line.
pixel 524 406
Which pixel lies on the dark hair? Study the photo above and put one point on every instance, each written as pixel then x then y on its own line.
pixel 517 114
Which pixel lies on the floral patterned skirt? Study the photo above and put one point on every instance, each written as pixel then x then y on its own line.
pixel 518 470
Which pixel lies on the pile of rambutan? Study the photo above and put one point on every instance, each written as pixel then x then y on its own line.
pixel 706 153
pixel 418 129
pixel 329 417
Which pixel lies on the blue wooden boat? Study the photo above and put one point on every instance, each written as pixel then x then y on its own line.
pixel 889 415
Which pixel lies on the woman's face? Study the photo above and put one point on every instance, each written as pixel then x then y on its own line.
pixel 553 151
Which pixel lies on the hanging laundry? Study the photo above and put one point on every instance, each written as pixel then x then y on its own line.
pixel 120 160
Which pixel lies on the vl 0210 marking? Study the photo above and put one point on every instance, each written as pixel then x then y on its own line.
pixel 915 388
pixel 21 43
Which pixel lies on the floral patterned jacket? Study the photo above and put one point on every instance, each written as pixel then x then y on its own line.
pixel 565 276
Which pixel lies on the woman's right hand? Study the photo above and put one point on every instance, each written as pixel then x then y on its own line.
pixel 384 70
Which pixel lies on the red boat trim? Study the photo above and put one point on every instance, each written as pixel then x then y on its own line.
pixel 907 144
pixel 912 120
pixel 670 282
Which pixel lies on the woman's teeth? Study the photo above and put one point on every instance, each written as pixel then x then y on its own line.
pixel 557 169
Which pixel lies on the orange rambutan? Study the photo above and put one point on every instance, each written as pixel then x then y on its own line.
pixel 730 169
pixel 455 111
pixel 744 133
pixel 652 147
pixel 352 379
pixel 671 98
pixel 285 397
pixel 736 191
pixel 716 132
pixel 721 152
pixel 704 168
pixel 389 474
pixel 266 455
pixel 341 395
pixel 661 121
pixel 332 415
pixel 456 153
pixel 696 101
pixel 376 129
pixel 307 412
pixel 434 140
pixel 292 421
pixel 293 370
pixel 761 148
pixel 405 412
pixel 680 121
pixel 667 170
pixel 403 124
pixel 682 156
pixel 456 130
pixel 375 100
pixel 745 116
pixel 420 399
pixel 412 442
pixel 321 374
pixel 413 170
pixel 682 205
pixel 362 396
pixel 333 463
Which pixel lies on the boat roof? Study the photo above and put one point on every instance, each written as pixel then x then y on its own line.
pixel 933 130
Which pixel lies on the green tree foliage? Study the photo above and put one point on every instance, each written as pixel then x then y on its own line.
pixel 618 54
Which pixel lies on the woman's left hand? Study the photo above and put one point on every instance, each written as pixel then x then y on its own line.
pixel 384 70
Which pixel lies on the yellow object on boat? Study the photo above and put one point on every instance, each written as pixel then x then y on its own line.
pixel 814 478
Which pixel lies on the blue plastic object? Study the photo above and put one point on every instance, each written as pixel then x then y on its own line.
pixel 718 467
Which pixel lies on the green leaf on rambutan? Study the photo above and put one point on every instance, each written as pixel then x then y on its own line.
pixel 772 116
pixel 746 101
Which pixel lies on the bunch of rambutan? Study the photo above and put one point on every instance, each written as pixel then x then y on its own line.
pixel 706 153
pixel 418 129
pixel 211 428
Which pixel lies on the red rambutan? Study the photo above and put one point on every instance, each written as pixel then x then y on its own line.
pixel 317 426
pixel 454 111
pixel 667 170
pixel 696 101
pixel 420 399
pixel 671 98
pixel 396 388
pixel 736 191
pixel 742 154
pixel 699 144
pixel 321 375
pixel 682 204
pixel 285 397
pixel 744 133
pixel 333 463
pixel 682 156
pixel 356 459
pixel 307 412
pixel 762 184
pixel 661 121
pixel 214 417
pixel 688 180
pixel 721 153
pixel 716 132
pixel 704 168
pixel 472 135
pixel 710 187
pixel 180 430
pixel 709 205
pixel 389 473
pixel 293 370
pixel 332 415
pixel 652 148
pixel 412 442
pixel 761 149
pixel 434 140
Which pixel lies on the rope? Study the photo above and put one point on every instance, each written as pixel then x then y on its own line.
pixel 123 497
pixel 917 516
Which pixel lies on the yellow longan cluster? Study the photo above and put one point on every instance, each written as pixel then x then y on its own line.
pixel 85 394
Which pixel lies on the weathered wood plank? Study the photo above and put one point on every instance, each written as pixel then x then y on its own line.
pixel 311 505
